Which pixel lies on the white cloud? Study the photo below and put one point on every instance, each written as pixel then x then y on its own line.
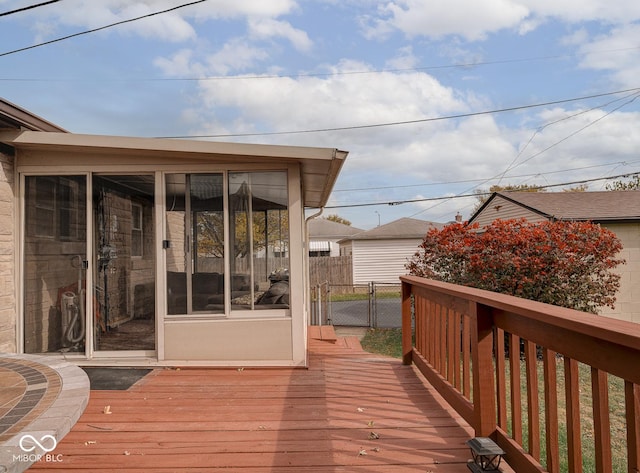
pixel 616 52
pixel 470 19
pixel 404 59
pixel 474 20
pixel 574 11
pixel 172 26
pixel 342 99
pixel 236 55
pixel 267 28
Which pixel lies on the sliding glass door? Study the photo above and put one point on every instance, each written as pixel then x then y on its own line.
pixel 124 264
pixel 56 297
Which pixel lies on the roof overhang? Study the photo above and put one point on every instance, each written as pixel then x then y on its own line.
pixel 320 166
pixel 12 116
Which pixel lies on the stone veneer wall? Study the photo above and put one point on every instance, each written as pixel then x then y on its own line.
pixel 7 255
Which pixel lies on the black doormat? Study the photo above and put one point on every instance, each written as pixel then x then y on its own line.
pixel 114 379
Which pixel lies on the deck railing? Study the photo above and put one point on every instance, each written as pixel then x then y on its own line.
pixel 502 363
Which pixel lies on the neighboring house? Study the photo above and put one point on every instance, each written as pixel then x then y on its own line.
pixel 380 254
pixel 142 251
pixel 324 236
pixel 618 211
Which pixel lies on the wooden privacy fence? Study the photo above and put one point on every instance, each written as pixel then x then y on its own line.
pixel 497 387
pixel 336 270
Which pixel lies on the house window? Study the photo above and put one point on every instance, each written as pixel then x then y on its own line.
pixel 259 219
pixel 252 208
pixel 319 248
pixel 67 201
pixel 55 207
pixel 44 211
pixel 137 246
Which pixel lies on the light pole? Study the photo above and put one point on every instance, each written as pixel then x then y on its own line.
pixel 378 216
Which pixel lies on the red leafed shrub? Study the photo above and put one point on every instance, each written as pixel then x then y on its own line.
pixel 569 264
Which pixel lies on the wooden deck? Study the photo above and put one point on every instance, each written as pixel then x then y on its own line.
pixel 351 411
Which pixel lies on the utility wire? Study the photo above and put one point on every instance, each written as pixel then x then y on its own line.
pixel 28 8
pixel 320 74
pixel 408 122
pixel 100 28
pixel 460 196
pixel 483 180
pixel 633 96
pixel 549 124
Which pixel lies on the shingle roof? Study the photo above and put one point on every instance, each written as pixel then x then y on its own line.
pixel 323 228
pixel 403 228
pixel 596 206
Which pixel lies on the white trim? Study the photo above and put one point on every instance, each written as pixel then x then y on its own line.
pixel 90 310
pixel 161 261
pixel 19 233
pixel 298 284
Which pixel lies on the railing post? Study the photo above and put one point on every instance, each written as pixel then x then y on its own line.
pixel 407 342
pixel 484 396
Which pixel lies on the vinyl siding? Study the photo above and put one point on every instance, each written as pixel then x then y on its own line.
pixel 381 260
pixel 502 209
pixel 627 305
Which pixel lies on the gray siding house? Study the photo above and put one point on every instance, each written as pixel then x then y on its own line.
pixel 324 236
pixel 618 211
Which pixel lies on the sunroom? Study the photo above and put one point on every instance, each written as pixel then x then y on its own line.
pixel 140 251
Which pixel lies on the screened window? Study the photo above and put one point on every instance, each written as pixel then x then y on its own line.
pixel 259 220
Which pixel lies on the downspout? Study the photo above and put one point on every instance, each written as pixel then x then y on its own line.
pixel 306 260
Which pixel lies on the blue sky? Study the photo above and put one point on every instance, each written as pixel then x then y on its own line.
pixel 230 68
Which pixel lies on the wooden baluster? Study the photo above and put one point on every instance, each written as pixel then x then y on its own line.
pixel 431 350
pixel 451 336
pixel 457 347
pixel 516 394
pixel 437 338
pixel 572 393
pixel 551 410
pixel 501 384
pixel 533 404
pixel 632 402
pixel 442 341
pixel 601 426
pixel 466 355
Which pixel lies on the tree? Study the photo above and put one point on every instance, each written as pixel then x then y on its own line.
pixel 631 185
pixel 569 264
pixel 338 219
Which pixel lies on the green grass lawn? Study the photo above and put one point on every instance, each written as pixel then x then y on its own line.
pixel 385 341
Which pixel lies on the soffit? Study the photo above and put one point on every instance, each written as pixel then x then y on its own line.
pixel 320 166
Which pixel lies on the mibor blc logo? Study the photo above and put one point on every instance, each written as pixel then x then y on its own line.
pixel 28 444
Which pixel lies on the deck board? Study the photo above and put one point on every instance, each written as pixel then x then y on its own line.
pixel 312 420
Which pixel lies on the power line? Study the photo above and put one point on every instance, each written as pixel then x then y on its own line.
pixel 101 28
pixel 319 74
pixel 549 124
pixel 483 180
pixel 633 96
pixel 460 196
pixel 18 10
pixel 408 122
